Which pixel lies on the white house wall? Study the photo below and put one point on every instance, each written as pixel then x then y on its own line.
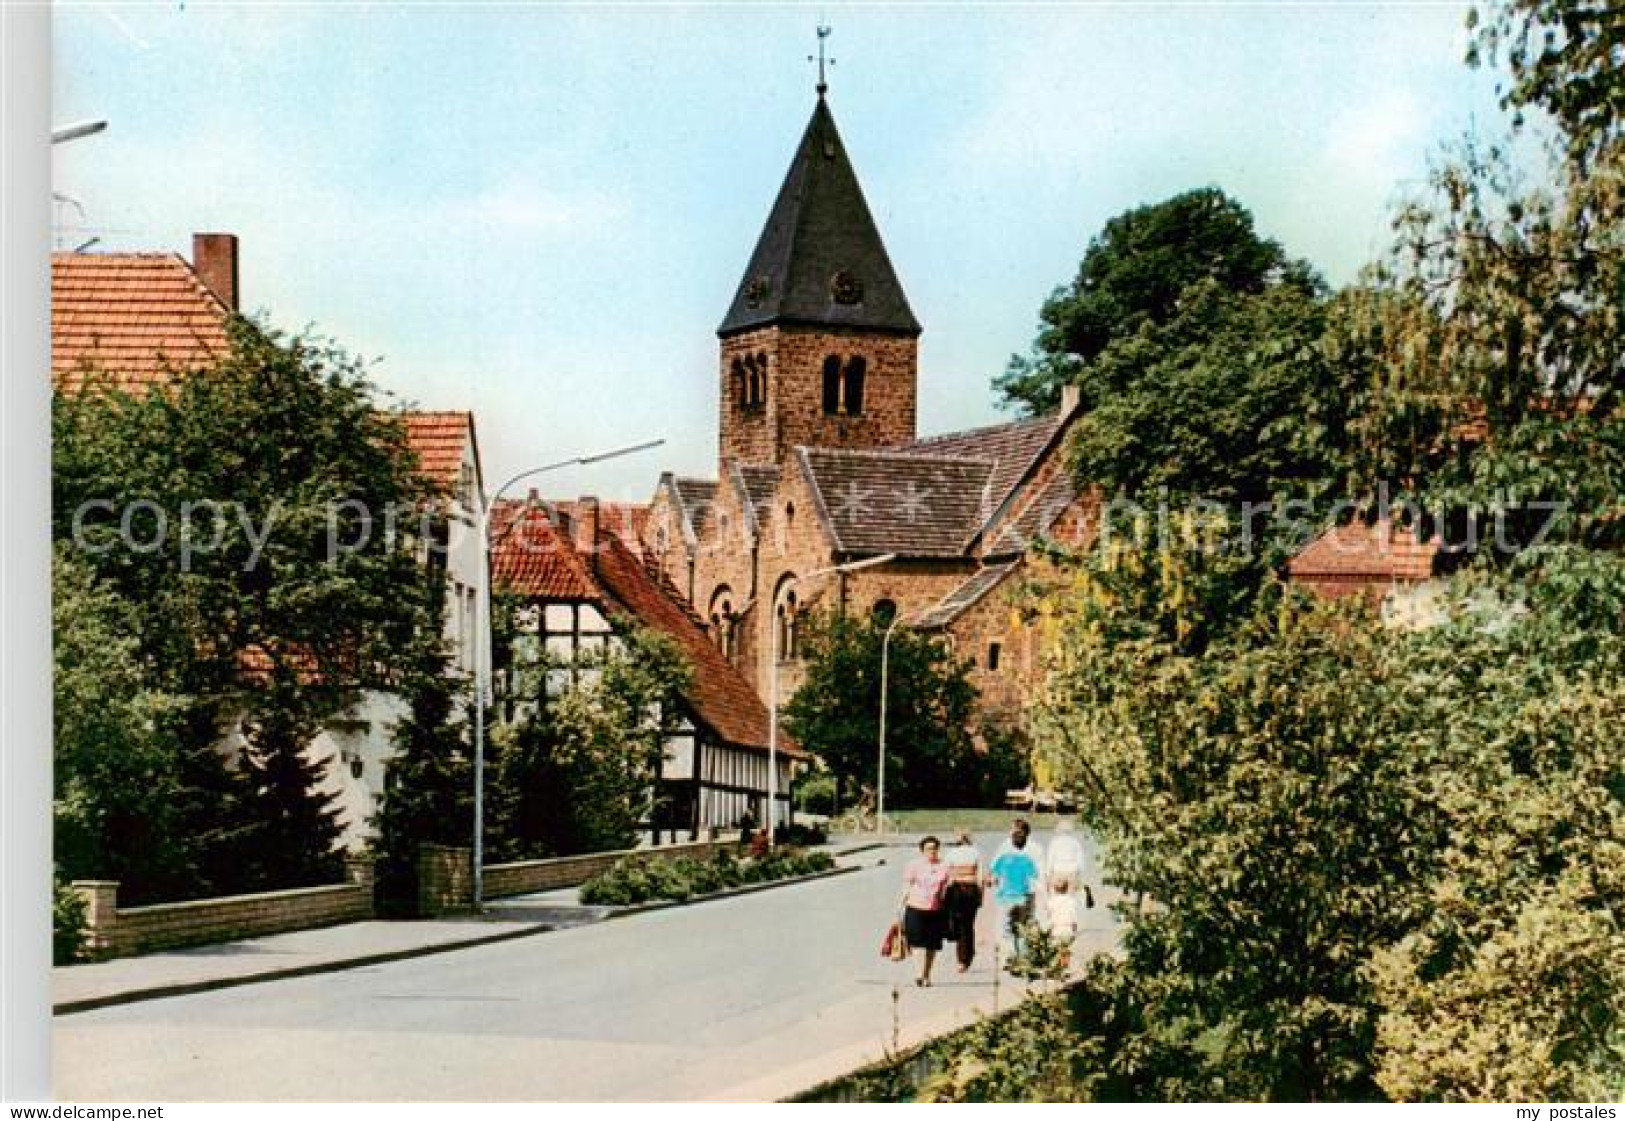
pixel 465 567
pixel 364 735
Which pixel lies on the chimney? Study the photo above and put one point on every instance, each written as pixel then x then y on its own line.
pixel 584 528
pixel 214 259
pixel 1071 398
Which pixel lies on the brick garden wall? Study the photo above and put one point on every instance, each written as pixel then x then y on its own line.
pixel 114 931
pixel 526 876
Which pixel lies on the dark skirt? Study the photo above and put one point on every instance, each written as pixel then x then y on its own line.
pixel 961 904
pixel 923 929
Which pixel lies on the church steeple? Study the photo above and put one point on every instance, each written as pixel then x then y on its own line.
pixel 819 347
pixel 820 260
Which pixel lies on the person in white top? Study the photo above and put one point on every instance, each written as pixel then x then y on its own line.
pixel 964 896
pixel 1065 862
pixel 1064 914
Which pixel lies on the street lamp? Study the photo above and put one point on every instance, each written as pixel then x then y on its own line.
pixel 773 708
pixel 482 655
pixel 880 785
pixel 74 132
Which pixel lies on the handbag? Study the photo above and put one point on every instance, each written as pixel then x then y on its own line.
pixel 895 945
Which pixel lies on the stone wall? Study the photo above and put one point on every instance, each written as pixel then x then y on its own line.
pixel 114 931
pixel 793 412
pixel 527 876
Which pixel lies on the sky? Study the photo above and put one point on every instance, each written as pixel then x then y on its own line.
pixel 541 212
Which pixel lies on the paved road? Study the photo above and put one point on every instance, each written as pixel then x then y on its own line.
pixel 743 999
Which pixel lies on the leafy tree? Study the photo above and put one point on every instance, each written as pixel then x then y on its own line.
pixel 1500 309
pixel 244 509
pixel 931 759
pixel 115 778
pixel 1133 280
pixel 578 768
pixel 1233 397
pixel 1351 833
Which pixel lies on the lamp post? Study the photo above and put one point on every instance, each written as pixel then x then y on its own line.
pixel 773 707
pixel 74 132
pixel 482 654
pixel 880 784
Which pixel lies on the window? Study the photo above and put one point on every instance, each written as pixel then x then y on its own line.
pixel 852 386
pixel 993 656
pixel 832 385
pixel 724 624
pixel 786 615
pixel 750 380
pixel 843 385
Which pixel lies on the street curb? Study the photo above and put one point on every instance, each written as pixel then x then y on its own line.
pixel 868 846
pixel 158 992
pixel 187 988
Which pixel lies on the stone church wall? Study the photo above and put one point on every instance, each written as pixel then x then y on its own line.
pixel 793 412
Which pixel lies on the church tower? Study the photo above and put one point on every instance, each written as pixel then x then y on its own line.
pixel 819 347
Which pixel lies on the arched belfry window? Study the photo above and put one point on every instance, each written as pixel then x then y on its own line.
pixel 852 386
pixel 843 385
pixel 832 385
pixel 750 380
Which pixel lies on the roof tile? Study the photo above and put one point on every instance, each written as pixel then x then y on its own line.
pixel 905 503
pixel 132 317
pixel 1365 553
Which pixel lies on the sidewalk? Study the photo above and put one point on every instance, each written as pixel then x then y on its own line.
pixel 79 988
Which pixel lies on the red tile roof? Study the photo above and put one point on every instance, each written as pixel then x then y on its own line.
pixel 720 695
pixel 530 558
pixel 532 555
pixel 439 440
pixel 626 520
pixel 1361 555
pixel 134 317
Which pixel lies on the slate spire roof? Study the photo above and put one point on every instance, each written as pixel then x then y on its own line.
pixel 820 260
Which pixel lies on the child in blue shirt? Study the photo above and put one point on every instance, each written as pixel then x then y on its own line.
pixel 1014 877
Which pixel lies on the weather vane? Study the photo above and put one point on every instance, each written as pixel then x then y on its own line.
pixel 823 33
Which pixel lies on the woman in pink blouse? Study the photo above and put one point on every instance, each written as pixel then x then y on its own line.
pixel 925 883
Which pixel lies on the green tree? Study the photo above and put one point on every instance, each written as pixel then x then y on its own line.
pixel 244 510
pixel 1367 847
pixel 116 774
pixel 1500 310
pixel 578 769
pixel 1233 397
pixel 931 759
pixel 428 786
pixel 293 838
pixel 1132 280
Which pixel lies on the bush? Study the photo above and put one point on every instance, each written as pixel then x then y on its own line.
pixel 816 794
pixel 801 835
pixel 641 879
pixel 67 924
